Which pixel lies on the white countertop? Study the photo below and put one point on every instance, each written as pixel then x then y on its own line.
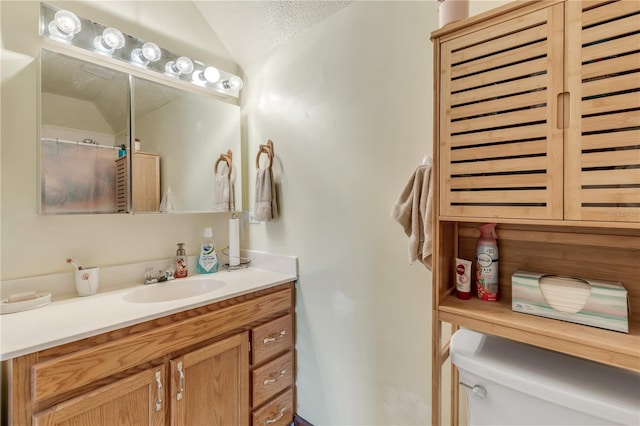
pixel 75 318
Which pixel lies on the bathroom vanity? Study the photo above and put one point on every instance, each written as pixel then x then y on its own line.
pixel 225 357
pixel 536 129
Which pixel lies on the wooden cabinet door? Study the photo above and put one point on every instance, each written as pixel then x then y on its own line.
pixel 602 176
pixel 501 136
pixel 135 401
pixel 210 386
pixel 145 179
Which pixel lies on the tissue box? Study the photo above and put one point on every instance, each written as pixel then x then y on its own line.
pixel 596 303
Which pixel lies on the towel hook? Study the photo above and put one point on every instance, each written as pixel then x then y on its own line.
pixel 266 149
pixel 227 158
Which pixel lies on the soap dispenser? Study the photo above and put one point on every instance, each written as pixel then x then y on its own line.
pixel 181 262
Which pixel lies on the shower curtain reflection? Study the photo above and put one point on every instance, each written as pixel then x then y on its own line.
pixel 77 177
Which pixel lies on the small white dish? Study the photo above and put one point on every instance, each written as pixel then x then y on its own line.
pixel 41 299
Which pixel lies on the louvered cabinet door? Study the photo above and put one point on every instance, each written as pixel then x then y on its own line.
pixel 501 136
pixel 603 141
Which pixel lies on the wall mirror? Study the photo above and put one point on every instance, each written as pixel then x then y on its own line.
pixel 89 162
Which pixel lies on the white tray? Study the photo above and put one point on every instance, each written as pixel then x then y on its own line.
pixel 40 300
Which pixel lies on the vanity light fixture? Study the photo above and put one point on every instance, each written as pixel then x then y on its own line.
pixel 149 52
pixel 233 83
pixel 208 75
pixel 182 65
pixel 110 40
pixel 80 34
pixel 64 25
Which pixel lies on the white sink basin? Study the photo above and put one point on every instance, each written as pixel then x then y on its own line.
pixel 173 290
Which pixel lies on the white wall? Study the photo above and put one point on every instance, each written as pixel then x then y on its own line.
pixel 348 105
pixel 35 245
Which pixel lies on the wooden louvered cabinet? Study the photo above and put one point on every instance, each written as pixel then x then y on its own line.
pixel 537 128
pixel 540 114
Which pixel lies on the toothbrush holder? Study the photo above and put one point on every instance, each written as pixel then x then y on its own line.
pixel 87 281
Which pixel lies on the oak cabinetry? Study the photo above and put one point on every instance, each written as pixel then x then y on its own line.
pixel 145 180
pixel 537 128
pixel 272 372
pixel 275 413
pixel 209 386
pixel 187 368
pixel 136 400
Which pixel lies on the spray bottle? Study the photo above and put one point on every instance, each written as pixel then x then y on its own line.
pixel 487 263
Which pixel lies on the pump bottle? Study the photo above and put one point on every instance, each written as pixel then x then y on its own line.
pixel 181 262
pixel 487 263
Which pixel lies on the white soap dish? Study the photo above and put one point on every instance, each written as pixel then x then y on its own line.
pixel 23 302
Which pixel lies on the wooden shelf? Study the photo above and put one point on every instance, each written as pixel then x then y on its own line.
pixel 605 346
pixel 544 222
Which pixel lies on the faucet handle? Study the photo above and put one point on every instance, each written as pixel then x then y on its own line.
pixel 149 276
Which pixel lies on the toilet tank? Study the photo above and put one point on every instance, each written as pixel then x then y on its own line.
pixel 511 383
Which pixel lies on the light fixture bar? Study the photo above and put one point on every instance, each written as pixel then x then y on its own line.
pixel 64 26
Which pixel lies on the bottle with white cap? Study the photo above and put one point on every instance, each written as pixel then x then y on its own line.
pixel 208 260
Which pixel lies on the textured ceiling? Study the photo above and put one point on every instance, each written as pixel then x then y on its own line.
pixel 105 88
pixel 249 29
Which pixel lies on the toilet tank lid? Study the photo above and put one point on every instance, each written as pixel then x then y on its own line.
pixel 600 390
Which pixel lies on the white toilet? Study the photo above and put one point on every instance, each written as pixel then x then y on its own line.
pixel 510 383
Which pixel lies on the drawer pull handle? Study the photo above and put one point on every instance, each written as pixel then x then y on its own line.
pixel 158 405
pixel 181 382
pixel 280 415
pixel 269 381
pixel 273 339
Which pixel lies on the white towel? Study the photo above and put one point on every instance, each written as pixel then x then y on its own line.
pixel 413 211
pixel 222 194
pixel 265 205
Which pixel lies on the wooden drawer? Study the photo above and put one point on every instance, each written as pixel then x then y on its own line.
pixel 272 378
pixel 270 339
pixel 76 369
pixel 278 412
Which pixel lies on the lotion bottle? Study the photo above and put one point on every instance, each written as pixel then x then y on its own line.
pixel 487 263
pixel 208 260
pixel 181 262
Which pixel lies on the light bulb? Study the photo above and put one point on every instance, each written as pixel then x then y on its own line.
pixel 149 52
pixel 182 65
pixel 211 74
pixel 234 83
pixel 208 75
pixel 64 25
pixel 110 40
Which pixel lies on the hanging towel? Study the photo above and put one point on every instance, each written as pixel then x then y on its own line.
pixel 265 206
pixel 222 194
pixel 413 211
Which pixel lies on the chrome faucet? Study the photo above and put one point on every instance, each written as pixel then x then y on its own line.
pixel 151 278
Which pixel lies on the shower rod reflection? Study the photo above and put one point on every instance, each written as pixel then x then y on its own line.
pixel 85 142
